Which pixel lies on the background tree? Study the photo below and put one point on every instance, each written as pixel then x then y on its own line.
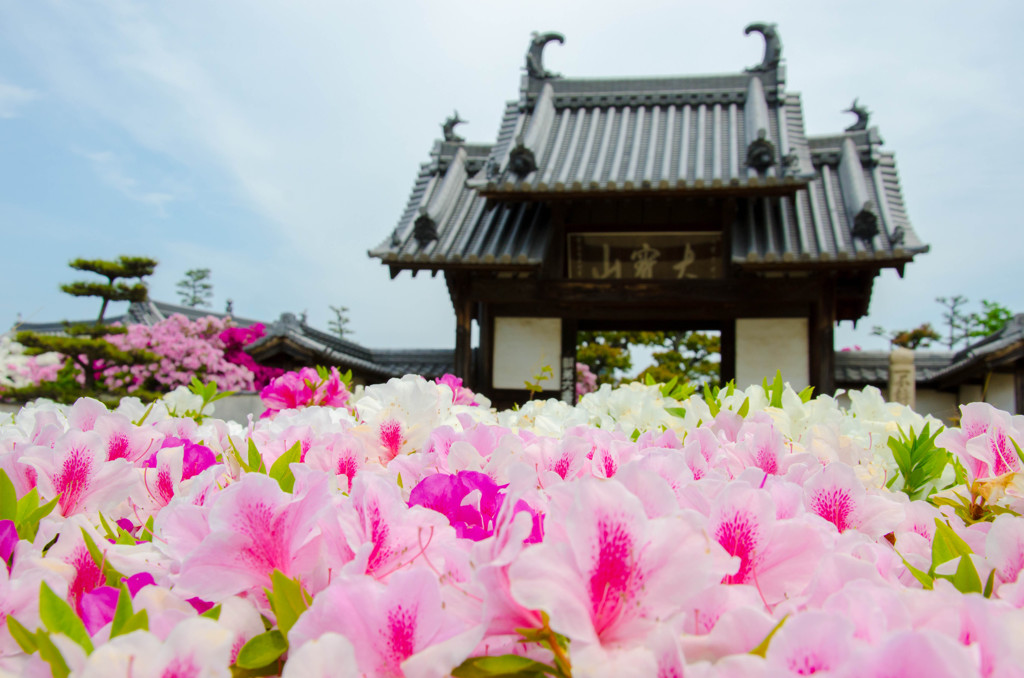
pixel 957 323
pixel 687 355
pixel 339 325
pixel 993 317
pixel 920 337
pixel 88 355
pixel 194 289
pixel 124 267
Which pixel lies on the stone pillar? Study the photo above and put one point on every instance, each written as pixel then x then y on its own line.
pixel 902 380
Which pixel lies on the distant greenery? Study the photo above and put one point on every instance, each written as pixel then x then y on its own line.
pixel 87 354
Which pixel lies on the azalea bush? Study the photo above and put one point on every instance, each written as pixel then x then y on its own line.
pixel 186 349
pixel 398 531
pixel 18 369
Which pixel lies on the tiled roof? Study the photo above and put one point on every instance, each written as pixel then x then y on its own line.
pixel 938 368
pixel 139 313
pixel 801 199
pixel 333 350
pixel 872 367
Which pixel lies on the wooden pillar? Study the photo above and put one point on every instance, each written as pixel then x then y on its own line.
pixel 821 339
pixel 1018 387
pixel 463 337
pixel 568 377
pixel 727 341
pixel 485 372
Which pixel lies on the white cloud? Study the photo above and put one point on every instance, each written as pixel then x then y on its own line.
pixel 111 171
pixel 12 98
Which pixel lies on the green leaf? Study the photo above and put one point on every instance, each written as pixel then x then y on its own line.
pixel 112 576
pixel 762 648
pixel 966 578
pixel 676 411
pixel 947 545
pixel 125 620
pixel 8 498
pixel 649 380
pixel 147 530
pixel 287 599
pixel 109 532
pixel 26 505
pixel 25 639
pixel 58 617
pixel 777 389
pixel 255 459
pixel 806 394
pixel 262 650
pixel 122 613
pixel 213 613
pixel 28 525
pixel 990 584
pixel 281 472
pixel 51 655
pixel 744 408
pixel 927 581
pixel 507 665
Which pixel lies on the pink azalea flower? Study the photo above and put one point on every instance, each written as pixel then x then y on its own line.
pixel 812 642
pixel 398 629
pixel 775 556
pixel 124 440
pixel 835 494
pixel 255 528
pixel 460 394
pixel 76 468
pixel 329 656
pixel 909 654
pixel 383 532
pixel 604 572
pixel 340 454
pixel 8 538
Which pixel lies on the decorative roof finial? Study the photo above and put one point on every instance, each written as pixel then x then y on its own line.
pixel 535 55
pixel 772 46
pixel 449 128
pixel 862 114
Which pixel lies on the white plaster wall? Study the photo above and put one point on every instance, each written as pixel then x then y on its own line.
pixel 970 393
pixel 522 346
pixel 764 345
pixel 1000 392
pixel 940 404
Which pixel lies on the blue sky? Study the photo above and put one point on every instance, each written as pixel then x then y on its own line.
pixel 275 143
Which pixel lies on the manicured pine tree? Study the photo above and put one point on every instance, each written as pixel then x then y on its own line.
pixel 83 345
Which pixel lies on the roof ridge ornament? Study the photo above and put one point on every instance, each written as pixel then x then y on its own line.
pixel 772 46
pixel 535 54
pixel 862 114
pixel 449 128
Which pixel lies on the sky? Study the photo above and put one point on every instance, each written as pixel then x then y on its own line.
pixel 276 142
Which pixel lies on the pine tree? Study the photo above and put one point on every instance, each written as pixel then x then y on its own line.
pixel 85 349
pixel 339 325
pixel 194 289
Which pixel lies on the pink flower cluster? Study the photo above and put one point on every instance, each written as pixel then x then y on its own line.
pixel 407 536
pixel 207 348
pixel 586 381
pixel 304 388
